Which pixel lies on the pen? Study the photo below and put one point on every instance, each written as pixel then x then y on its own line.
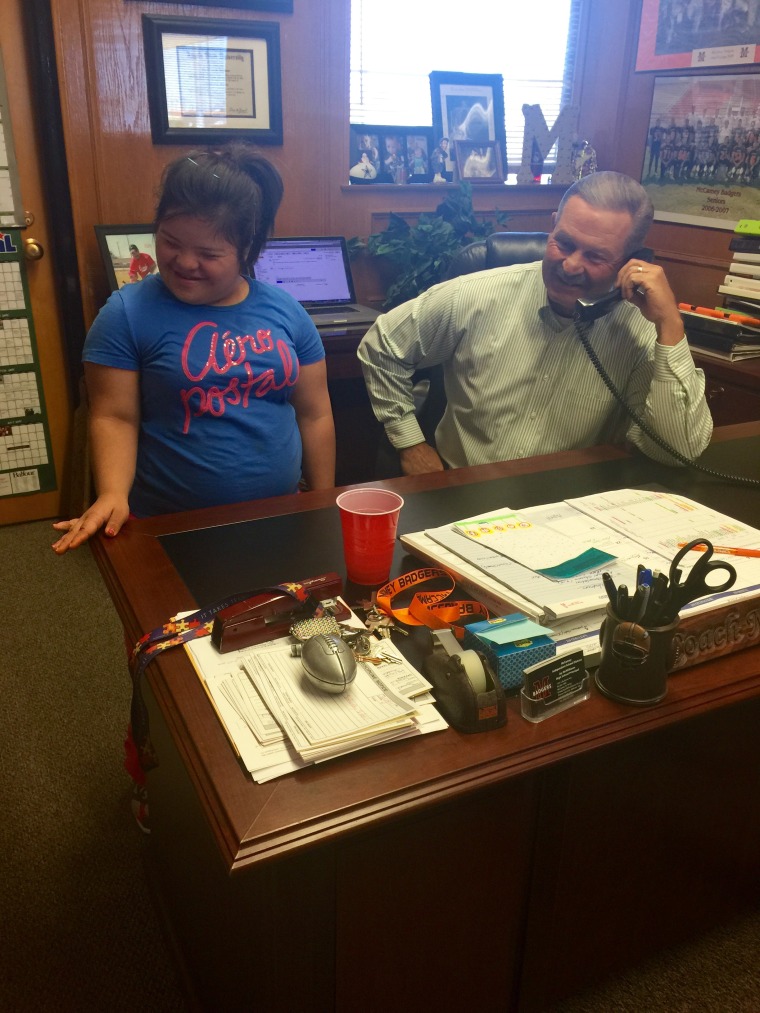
pixel 622 602
pixel 726 550
pixel 609 587
pixel 705 311
pixel 640 602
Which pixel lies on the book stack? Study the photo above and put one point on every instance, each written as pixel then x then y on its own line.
pixel 731 332
pixel 741 286
pixel 718 336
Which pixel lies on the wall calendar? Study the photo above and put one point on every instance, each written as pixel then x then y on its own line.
pixel 25 456
pixel 26 464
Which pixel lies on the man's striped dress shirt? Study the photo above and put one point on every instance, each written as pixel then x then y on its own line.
pixel 518 381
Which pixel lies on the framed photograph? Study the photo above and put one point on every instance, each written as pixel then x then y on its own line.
pixel 673 35
pixel 128 252
pixel 364 154
pixel 466 107
pixel 211 81
pixel 282 6
pixel 387 154
pixel 479 163
pixel 702 157
pixel 419 147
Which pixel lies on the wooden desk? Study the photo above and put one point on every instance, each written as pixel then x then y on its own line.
pixel 495 871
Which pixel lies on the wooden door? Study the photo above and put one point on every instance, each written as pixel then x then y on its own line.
pixel 40 274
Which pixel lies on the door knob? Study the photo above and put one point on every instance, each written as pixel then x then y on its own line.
pixel 33 250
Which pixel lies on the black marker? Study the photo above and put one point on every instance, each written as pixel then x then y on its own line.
pixel 609 587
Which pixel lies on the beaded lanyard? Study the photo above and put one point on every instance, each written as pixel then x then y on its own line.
pixel 179 631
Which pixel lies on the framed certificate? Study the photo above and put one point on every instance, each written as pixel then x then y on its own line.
pixel 217 78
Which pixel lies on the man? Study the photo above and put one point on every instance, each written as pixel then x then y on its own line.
pixel 518 380
pixel 141 265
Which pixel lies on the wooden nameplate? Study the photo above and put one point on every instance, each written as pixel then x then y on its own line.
pixel 721 631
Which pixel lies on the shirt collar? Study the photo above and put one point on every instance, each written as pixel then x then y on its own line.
pixel 553 320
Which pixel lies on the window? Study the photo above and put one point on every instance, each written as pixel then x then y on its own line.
pixel 396 43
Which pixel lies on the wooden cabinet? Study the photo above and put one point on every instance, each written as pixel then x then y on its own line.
pixel 733 389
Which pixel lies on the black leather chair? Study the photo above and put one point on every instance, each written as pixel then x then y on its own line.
pixel 500 249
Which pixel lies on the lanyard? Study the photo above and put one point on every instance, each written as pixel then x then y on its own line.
pixel 431 607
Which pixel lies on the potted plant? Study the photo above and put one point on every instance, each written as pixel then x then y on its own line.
pixel 420 254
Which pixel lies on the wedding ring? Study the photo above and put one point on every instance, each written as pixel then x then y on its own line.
pixel 639 268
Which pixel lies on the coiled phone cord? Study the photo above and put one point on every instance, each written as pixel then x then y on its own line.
pixel 582 328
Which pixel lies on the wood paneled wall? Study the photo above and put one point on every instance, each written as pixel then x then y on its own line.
pixel 114 167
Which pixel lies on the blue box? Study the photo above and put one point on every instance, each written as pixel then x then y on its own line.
pixel 510 643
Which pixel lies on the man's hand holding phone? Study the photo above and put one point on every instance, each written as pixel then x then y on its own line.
pixel 646 286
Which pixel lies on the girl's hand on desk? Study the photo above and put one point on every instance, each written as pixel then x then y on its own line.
pixel 107 511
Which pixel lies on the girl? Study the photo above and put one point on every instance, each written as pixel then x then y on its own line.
pixel 205 386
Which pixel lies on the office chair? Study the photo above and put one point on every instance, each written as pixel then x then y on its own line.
pixel 500 249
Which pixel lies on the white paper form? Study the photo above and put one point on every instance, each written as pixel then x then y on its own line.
pixel 396 672
pixel 315 721
pixel 550 598
pixel 541 547
pixel 262 761
pixel 241 708
pixel 554 599
pixel 659 521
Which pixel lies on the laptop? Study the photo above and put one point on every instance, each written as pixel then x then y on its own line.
pixel 316 272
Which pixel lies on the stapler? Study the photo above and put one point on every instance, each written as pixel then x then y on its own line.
pixel 466 688
pixel 270 613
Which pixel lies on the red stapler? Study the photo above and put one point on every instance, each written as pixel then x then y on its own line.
pixel 270 614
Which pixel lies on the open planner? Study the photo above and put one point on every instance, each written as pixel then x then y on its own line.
pixel 631 525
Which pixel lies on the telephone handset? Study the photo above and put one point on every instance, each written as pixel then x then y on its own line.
pixel 591 309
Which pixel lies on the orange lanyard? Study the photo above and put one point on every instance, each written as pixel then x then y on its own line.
pixel 431 607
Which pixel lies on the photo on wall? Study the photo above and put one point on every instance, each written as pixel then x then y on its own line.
pixel 702 158
pixel 676 34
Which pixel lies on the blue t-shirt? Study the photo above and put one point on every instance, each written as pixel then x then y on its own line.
pixel 216 421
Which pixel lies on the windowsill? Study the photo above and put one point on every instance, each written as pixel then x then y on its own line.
pixel 510 184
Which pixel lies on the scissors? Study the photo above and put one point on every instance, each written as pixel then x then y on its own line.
pixel 696 584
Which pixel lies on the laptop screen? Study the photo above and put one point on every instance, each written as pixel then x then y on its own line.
pixel 315 271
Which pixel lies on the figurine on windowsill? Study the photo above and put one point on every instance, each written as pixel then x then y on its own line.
pixel 438 158
pixel 584 159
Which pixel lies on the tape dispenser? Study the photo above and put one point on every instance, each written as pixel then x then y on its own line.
pixel 465 686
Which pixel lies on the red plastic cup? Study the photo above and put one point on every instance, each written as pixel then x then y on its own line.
pixel 369 518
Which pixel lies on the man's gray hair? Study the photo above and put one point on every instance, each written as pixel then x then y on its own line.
pixel 612 191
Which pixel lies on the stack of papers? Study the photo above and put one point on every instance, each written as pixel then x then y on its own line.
pixel 278 722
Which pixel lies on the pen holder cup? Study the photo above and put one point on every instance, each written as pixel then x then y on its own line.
pixel 635 660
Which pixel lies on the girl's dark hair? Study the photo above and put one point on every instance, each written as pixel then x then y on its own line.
pixel 233 188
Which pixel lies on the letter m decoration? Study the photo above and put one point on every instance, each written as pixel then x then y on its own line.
pixel 564 132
